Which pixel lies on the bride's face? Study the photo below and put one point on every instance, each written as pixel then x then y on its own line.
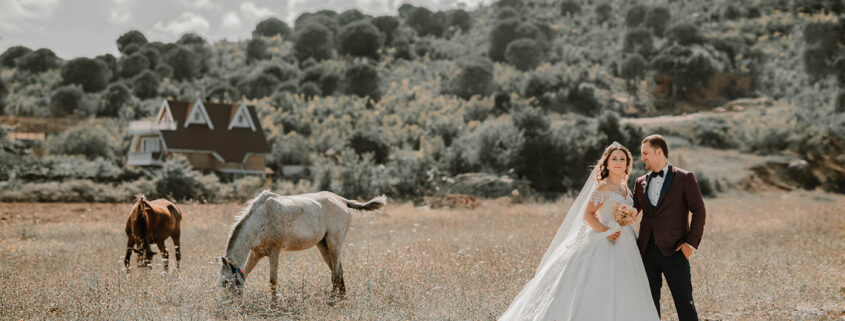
pixel 617 163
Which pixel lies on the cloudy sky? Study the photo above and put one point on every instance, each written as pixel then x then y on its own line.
pixel 76 28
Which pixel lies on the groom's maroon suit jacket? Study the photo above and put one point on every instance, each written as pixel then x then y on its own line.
pixel 669 221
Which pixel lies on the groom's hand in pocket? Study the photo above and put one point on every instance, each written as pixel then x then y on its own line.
pixel 686 249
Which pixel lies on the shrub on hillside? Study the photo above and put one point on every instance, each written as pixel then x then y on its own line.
pixel 66 100
pixel 313 41
pixel 524 54
pixel 7 59
pixel 475 78
pixel 132 37
pixel 256 50
pixel 360 39
pixel 635 16
pixel 178 181
pixel 115 98
pixel 657 20
pixel 258 86
pixel 37 61
pixel 569 8
pixel 91 74
pixel 362 80
pixel 86 140
pixel 145 85
pixel 132 65
pixel 186 63
pixel 271 27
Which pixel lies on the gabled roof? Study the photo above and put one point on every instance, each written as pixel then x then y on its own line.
pixel 233 145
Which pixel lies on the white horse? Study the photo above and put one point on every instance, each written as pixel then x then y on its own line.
pixel 271 223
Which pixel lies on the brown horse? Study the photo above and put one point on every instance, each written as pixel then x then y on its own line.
pixel 152 222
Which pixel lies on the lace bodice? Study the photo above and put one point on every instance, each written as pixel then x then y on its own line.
pixel 609 200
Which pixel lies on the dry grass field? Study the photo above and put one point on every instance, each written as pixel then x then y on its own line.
pixel 763 257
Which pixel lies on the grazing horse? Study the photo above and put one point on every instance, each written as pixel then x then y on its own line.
pixel 271 223
pixel 152 222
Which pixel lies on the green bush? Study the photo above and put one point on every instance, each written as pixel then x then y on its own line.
pixel 129 38
pixel 132 65
pixel 569 8
pixel 37 61
pixel 460 20
pixel 66 100
pixel 153 55
pixel 424 23
pixel 177 180
pixel 291 149
pixel 685 34
pixel 604 12
pixel 145 85
pixel 313 41
pixel 387 25
pixel 716 133
pixel 256 50
pixel 524 54
pixel 309 90
pixel 259 86
pixel 186 63
pixel 657 20
pixel 690 67
pixel 475 78
pixel 361 39
pixel 7 59
pixel 499 145
pixel 89 141
pixel 636 16
pixel 362 80
pixel 364 141
pixel 639 41
pixel 582 99
pixel 271 27
pixel 115 97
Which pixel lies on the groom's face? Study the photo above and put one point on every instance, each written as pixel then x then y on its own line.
pixel 650 156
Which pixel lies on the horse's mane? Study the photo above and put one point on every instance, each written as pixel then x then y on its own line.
pixel 243 215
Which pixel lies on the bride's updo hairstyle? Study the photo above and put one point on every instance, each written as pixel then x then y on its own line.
pixel 602 163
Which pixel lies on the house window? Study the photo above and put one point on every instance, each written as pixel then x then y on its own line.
pixel 151 145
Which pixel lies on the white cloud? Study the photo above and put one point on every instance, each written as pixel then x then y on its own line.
pixel 121 12
pixel 251 12
pixel 231 21
pixel 16 15
pixel 201 4
pixel 187 22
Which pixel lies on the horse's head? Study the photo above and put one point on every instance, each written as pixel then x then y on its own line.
pixel 231 276
pixel 143 212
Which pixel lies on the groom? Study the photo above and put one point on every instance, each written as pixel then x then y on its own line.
pixel 666 195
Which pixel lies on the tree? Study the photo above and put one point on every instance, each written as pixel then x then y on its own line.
pixel 362 80
pixel 685 34
pixel 260 86
pixel 387 25
pixel 475 78
pixel 582 99
pixel 91 74
pixel 145 85
pixel 309 90
pixel 633 69
pixel 115 97
pixel 500 36
pixel 223 92
pixel 403 49
pixel 111 63
pixel 134 64
pixel 291 149
pixel 282 72
pixel 516 4
pixel 423 22
pixel 66 100
pixel 38 61
pixel 350 16
pixel 524 54
pixel 822 49
pixel 83 139
pixel 367 141
pixel 404 9
pixel 185 62
pixel 657 20
pixel 689 66
pixel 256 50
pixel 191 39
pixel 7 59
pixel 131 37
pixel 635 16
pixel 179 181
pixel 322 19
pixel 507 13
pixel 639 41
pixel 271 27
pixel 152 54
pixel 603 13
pixel 569 8
pixel 361 39
pixel 313 41
pixel 460 19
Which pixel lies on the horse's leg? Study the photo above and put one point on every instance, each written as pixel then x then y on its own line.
pixel 274 269
pixel 129 247
pixel 175 238
pixel 165 257
pixel 334 243
pixel 251 260
pixel 324 250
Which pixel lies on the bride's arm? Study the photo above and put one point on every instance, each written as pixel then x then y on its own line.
pixel 590 217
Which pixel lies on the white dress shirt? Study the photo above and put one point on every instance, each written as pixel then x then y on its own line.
pixel 655 185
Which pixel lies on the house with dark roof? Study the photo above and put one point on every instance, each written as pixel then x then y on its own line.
pixel 225 138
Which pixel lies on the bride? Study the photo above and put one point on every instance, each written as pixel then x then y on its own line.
pixel 593 269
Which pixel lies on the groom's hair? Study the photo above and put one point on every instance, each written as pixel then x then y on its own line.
pixel 657 141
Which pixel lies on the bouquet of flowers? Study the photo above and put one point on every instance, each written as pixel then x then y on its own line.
pixel 624 215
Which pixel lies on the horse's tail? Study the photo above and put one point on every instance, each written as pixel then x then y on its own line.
pixel 374 204
pixel 175 212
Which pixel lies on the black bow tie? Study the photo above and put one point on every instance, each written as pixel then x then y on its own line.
pixel 655 174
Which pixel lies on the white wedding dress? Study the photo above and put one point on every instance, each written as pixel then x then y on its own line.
pixel 584 276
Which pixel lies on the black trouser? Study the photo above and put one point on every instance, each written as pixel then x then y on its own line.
pixel 677 272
